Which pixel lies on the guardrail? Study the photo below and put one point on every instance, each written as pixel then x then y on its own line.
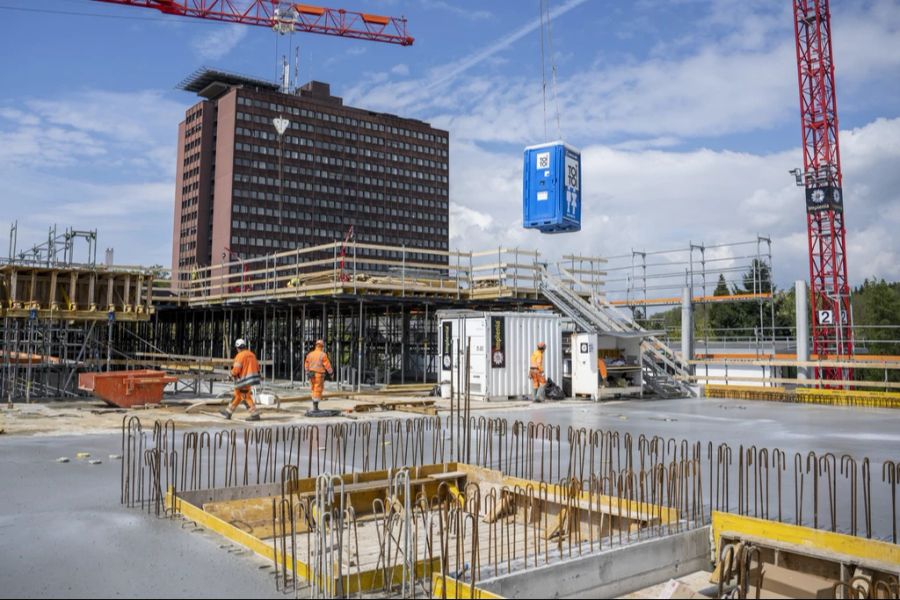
pixel 360 268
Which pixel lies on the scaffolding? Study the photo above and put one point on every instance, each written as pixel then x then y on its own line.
pixel 60 318
pixel 642 280
pixel 374 306
pixel 58 250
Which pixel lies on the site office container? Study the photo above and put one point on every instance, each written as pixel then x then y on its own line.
pixel 500 345
pixel 551 189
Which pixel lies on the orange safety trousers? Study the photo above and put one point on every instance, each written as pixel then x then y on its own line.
pixel 537 378
pixel 318 385
pixel 245 395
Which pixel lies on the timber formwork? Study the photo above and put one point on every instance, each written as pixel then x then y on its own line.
pixel 56 321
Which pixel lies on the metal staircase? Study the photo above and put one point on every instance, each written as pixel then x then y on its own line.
pixel 661 366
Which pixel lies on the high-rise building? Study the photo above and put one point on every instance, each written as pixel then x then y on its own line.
pixel 244 191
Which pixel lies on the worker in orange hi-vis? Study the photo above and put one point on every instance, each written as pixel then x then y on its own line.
pixel 245 372
pixel 317 364
pixel 536 372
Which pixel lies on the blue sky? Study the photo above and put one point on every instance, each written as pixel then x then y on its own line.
pixel 686 111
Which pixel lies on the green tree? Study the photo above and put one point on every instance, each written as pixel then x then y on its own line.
pixel 725 314
pixel 876 313
pixel 160 273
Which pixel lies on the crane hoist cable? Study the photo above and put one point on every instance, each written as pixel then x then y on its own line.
pixel 547 30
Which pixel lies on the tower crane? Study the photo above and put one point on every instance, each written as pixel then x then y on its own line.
pixel 285 17
pixel 831 317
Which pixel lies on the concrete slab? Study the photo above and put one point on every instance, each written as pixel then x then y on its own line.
pixel 872 432
pixel 64 534
pixel 611 572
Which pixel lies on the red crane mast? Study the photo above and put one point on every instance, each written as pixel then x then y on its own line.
pixel 831 316
pixel 285 17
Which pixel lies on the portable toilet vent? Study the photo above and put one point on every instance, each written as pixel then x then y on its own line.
pixel 551 201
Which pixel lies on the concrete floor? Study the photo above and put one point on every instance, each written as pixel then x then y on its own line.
pixel 64 534
pixel 860 432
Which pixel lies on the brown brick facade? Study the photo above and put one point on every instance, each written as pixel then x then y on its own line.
pixel 341 166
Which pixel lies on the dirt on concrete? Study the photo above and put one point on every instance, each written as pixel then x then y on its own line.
pixel 85 417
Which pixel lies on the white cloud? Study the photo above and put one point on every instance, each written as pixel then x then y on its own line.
pixel 469 14
pixel 133 218
pixel 93 160
pixel 401 70
pixel 216 44
pixel 138 129
pixel 653 199
pixel 412 94
pixel 738 75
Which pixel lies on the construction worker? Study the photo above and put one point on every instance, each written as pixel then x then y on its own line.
pixel 538 381
pixel 317 364
pixel 245 373
pixel 604 374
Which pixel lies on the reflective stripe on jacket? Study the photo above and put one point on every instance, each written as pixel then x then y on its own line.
pixel 317 362
pixel 245 369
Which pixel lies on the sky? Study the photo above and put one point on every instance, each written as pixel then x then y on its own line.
pixel 686 112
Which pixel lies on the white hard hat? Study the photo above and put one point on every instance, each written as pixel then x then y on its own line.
pixel 240 343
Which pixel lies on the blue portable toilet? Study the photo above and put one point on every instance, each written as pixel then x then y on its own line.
pixel 551 191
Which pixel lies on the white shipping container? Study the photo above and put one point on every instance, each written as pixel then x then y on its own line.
pixel 499 359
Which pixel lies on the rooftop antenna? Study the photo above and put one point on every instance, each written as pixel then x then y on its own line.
pixel 285 75
pixel 13 234
pixel 296 85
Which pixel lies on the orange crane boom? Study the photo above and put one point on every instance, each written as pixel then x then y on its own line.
pixel 285 17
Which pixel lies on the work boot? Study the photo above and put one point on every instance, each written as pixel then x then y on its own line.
pixel 315 406
pixel 254 416
pixel 224 412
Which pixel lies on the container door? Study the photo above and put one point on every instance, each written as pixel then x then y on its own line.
pixel 571 188
pixel 540 186
pixel 477 338
pixel 585 379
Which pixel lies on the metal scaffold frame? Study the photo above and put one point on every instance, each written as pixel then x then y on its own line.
pixel 642 280
pixel 370 342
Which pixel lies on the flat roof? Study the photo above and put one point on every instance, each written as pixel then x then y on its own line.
pixel 552 144
pixel 211 83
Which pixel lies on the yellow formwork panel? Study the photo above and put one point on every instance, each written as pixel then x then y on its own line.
pixel 805 538
pixel 613 506
pixel 862 398
pixel 367 581
pixel 865 398
pixel 747 392
pixel 447 587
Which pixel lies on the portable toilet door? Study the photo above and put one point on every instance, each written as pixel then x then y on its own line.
pixel 551 189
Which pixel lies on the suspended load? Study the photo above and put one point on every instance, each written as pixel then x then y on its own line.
pixel 551 200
